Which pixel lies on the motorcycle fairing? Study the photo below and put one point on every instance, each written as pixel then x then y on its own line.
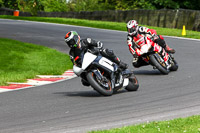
pixel 126 81
pixel 77 70
pixel 106 63
pixel 88 59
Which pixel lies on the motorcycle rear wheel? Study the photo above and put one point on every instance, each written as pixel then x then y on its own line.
pixel 92 79
pixel 133 84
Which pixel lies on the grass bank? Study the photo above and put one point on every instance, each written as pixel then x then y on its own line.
pixel 20 61
pixel 180 125
pixel 105 25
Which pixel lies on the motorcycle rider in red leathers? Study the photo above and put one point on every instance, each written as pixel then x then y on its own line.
pixel 140 39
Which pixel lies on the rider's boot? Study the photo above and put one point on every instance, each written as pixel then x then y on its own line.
pixel 169 50
pixel 123 65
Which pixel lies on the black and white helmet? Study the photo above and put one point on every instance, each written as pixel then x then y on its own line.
pixel 72 39
pixel 132 27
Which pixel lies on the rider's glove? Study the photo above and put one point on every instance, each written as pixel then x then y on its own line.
pixel 99 44
pixel 154 37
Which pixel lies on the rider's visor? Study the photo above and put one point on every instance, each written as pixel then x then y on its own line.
pixel 73 43
pixel 132 29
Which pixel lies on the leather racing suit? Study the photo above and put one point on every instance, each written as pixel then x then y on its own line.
pixel 152 34
pixel 139 44
pixel 91 44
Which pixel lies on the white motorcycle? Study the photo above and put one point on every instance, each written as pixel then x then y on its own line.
pixel 103 75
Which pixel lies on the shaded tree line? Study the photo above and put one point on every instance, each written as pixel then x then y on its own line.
pixel 96 5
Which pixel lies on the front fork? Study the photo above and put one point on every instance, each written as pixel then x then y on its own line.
pixel 101 77
pixel 161 61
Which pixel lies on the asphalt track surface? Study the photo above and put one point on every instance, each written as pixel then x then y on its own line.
pixel 67 106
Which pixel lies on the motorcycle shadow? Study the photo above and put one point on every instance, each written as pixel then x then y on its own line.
pixel 147 72
pixel 80 94
pixel 86 93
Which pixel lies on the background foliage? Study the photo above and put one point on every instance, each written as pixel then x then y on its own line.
pixel 96 5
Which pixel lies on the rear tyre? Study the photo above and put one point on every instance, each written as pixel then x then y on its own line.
pixel 158 64
pixel 133 84
pixel 103 87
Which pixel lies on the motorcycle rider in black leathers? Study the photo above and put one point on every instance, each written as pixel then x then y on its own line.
pixel 77 45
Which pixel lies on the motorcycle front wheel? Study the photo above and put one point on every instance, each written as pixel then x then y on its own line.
pixel 102 86
pixel 155 61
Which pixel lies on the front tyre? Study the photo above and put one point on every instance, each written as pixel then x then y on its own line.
pixel 101 86
pixel 160 65
pixel 133 84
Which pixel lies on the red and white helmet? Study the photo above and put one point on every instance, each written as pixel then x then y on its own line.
pixel 132 27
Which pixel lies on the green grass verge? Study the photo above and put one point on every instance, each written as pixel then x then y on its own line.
pixel 105 25
pixel 180 125
pixel 21 61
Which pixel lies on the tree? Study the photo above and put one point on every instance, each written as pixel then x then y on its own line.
pixel 189 4
pixel 55 5
pixel 32 6
pixel 84 5
pixel 12 4
pixel 1 3
pixel 131 5
pixel 169 4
